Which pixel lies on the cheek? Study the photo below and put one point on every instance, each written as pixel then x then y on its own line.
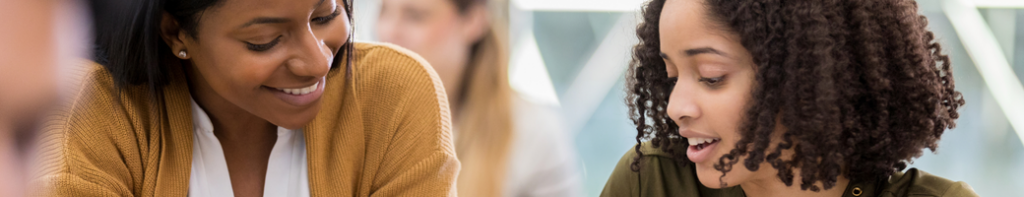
pixel 731 105
pixel 726 122
pixel 235 72
pixel 338 34
pixel 729 116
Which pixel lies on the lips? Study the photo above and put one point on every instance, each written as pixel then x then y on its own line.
pixel 700 143
pixel 701 148
pixel 299 91
pixel 299 97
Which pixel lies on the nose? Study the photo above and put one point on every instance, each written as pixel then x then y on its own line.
pixel 683 105
pixel 313 57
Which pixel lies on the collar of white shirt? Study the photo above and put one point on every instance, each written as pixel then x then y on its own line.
pixel 287 173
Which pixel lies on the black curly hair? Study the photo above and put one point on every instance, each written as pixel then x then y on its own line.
pixel 861 85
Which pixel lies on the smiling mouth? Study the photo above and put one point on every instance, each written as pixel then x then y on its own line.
pixel 298 91
pixel 700 143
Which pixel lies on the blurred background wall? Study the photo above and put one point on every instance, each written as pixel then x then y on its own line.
pixel 574 53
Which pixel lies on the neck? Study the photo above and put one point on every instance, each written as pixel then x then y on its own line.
pixel 770 185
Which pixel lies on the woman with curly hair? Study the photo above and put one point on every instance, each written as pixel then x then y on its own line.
pixel 810 98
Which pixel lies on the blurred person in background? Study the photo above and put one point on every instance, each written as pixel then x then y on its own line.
pixel 508 146
pixel 784 98
pixel 247 98
pixel 36 37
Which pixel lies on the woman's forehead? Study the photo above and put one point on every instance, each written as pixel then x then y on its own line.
pixel 683 22
pixel 247 9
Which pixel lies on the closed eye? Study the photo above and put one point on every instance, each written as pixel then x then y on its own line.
pixel 263 47
pixel 712 81
pixel 327 19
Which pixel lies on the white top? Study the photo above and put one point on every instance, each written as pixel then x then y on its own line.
pixel 543 159
pixel 287 173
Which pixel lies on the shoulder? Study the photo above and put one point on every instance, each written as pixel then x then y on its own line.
pixel 406 120
pixel 651 157
pixel 400 93
pixel 375 52
pixel 389 78
pixel 657 173
pixel 91 100
pixel 89 82
pixel 91 130
pixel 915 182
pixel 653 161
pixel 92 106
pixel 383 63
pixel 390 72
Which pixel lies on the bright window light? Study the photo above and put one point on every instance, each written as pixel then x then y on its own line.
pixel 988 57
pixel 528 75
pixel 998 3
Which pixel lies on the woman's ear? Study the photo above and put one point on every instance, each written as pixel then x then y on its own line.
pixel 172 34
pixel 477 23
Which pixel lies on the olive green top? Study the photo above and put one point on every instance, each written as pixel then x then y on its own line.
pixel 660 175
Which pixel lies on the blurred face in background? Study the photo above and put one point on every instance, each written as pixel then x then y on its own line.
pixel 436 30
pixel 37 37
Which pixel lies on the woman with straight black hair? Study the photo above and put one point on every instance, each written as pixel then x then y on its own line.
pixel 247 98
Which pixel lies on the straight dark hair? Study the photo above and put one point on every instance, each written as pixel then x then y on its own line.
pixel 128 43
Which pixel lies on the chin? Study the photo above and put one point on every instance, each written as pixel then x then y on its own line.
pixel 294 124
pixel 298 120
pixel 711 178
pixel 708 176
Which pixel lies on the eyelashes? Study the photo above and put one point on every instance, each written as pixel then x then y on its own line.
pixel 318 20
pixel 262 47
pixel 713 82
pixel 327 19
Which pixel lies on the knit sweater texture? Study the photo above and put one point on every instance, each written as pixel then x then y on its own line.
pixel 382 130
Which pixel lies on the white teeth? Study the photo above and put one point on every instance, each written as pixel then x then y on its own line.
pixel 301 91
pixel 698 140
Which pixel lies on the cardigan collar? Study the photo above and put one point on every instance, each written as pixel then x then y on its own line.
pixel 177 132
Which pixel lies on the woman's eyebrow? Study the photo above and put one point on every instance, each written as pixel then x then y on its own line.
pixel 272 20
pixel 704 50
pixel 265 20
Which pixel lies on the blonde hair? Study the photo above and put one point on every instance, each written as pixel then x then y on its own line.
pixel 485 129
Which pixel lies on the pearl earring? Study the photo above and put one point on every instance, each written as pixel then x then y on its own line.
pixel 182 54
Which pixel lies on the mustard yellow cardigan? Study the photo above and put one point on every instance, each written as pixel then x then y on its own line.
pixel 382 131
